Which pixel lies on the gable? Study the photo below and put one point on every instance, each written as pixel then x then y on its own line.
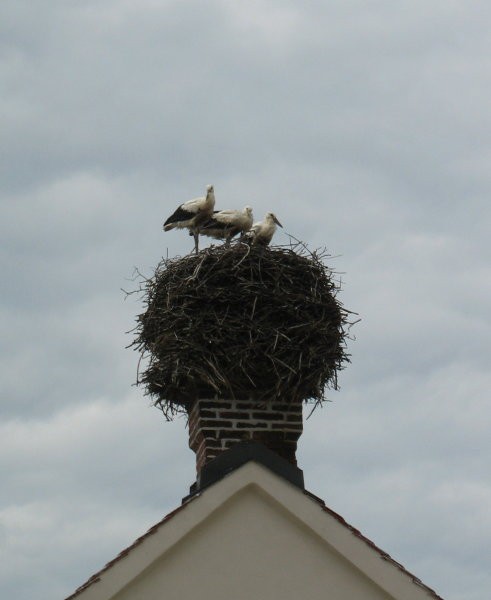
pixel 253 535
pixel 252 548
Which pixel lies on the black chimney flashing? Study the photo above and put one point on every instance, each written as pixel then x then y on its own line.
pixel 240 454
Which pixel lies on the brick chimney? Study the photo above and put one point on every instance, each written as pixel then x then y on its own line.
pixel 216 425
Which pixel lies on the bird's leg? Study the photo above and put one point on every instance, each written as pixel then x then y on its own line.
pixel 196 238
pixel 227 241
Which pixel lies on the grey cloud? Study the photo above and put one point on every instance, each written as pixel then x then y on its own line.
pixel 367 130
pixel 95 452
pixel 136 94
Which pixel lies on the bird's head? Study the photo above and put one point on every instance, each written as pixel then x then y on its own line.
pixel 272 217
pixel 209 189
pixel 248 211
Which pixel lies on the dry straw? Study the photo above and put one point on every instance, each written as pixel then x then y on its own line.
pixel 243 322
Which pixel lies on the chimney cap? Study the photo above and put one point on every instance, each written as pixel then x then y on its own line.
pixel 240 454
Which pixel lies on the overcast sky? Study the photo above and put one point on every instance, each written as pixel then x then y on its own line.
pixel 366 127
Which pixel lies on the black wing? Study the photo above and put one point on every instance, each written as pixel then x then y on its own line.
pixel 214 224
pixel 181 214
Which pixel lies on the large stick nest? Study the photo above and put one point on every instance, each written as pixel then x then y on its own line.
pixel 243 322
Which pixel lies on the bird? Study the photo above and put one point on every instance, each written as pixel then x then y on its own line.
pixel 261 233
pixel 225 224
pixel 192 214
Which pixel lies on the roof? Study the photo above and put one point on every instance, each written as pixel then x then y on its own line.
pixel 97 576
pixel 381 553
pixel 182 519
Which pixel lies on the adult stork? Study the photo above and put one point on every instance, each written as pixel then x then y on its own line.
pixel 192 214
pixel 225 224
pixel 261 233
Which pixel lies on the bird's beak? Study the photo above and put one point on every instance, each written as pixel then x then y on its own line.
pixel 277 222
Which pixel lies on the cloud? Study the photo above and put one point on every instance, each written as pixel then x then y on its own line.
pixel 403 459
pixel 367 130
pixel 96 453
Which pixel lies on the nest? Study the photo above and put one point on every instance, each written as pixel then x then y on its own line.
pixel 241 322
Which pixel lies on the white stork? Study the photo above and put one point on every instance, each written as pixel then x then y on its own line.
pixel 192 214
pixel 225 224
pixel 261 233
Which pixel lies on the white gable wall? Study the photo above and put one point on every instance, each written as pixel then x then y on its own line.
pixel 252 548
pixel 253 535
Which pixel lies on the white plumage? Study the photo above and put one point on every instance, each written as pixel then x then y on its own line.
pixel 261 233
pixel 192 214
pixel 225 224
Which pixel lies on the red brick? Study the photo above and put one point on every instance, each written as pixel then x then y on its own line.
pixel 296 418
pixel 269 416
pixel 252 425
pixel 209 433
pixel 207 423
pixel 231 433
pixel 291 407
pixel 287 426
pixel 207 414
pixel 234 415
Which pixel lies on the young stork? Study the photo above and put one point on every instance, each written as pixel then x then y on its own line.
pixel 261 233
pixel 192 214
pixel 225 224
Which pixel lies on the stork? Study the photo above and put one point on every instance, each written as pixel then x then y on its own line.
pixel 192 214
pixel 261 233
pixel 225 224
